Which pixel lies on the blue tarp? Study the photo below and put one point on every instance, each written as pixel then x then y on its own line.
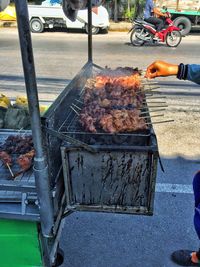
pixel 51 2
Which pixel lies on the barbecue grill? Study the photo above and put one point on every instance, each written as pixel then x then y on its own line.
pixel 102 171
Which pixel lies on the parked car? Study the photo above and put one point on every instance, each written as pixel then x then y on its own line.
pixel 50 16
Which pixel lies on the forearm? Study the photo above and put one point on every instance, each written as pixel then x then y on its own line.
pixel 189 72
pixel 157 12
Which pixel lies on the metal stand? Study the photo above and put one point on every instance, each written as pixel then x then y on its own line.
pixel 90 59
pixel 40 165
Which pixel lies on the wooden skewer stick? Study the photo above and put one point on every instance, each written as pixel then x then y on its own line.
pixel 146 117
pixel 158 110
pixel 162 106
pixel 155 110
pixel 151 88
pixel 150 94
pixel 155 102
pixel 155 97
pixel 76 106
pixel 12 174
pixel 19 131
pixel 147 92
pixel 74 110
pixel 148 83
pixel 157 122
pixel 79 101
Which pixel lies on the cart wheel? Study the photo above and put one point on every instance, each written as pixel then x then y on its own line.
pixel 59 258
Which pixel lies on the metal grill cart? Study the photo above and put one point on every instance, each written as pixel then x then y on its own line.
pixel 73 169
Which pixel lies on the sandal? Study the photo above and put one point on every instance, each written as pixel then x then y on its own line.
pixel 184 257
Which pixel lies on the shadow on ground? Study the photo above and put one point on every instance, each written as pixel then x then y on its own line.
pixel 119 240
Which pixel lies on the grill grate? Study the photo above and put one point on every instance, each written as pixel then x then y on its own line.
pixel 72 127
pixel 5 175
pixel 71 122
pixel 63 115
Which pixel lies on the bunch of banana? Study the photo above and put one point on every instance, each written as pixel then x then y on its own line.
pixel 21 102
pixel 4 101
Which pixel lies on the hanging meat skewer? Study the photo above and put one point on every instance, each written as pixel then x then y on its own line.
pixel 7 160
pixel 17 145
pixel 25 161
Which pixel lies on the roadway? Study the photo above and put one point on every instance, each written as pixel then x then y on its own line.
pixel 113 240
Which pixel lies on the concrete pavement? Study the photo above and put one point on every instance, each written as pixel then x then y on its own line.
pixel 114 240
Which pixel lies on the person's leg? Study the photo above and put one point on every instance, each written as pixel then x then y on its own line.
pixel 187 257
pixel 159 24
pixel 196 188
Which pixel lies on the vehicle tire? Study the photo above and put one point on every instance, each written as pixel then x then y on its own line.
pixel 59 258
pixel 134 39
pixel 173 38
pixel 104 31
pixel 184 24
pixel 36 25
pixel 95 30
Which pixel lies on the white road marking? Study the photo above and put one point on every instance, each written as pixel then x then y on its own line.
pixel 174 188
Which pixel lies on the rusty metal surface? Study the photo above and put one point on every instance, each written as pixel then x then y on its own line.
pixel 109 180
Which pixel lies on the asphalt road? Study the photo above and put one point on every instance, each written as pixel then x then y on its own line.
pixel 113 240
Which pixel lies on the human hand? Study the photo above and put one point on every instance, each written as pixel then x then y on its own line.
pixel 161 69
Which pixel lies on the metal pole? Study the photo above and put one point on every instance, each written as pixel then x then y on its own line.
pixel 89 31
pixel 40 164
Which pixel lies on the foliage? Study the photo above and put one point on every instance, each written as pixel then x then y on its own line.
pixel 137 9
pixel 130 13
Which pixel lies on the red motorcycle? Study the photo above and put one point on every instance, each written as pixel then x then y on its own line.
pixel 143 32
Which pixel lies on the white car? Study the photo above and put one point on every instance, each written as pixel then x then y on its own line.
pixel 50 16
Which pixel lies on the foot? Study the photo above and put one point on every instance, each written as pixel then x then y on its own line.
pixel 156 37
pixel 186 258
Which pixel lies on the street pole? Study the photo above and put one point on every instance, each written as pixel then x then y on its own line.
pixel 40 165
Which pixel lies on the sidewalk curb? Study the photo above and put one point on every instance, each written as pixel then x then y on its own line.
pixel 8 24
pixel 118 26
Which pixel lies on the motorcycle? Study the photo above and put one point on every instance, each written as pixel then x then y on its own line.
pixel 143 32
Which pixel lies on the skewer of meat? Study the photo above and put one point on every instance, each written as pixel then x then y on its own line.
pixel 25 160
pixel 7 160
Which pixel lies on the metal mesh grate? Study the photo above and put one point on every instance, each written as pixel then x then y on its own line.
pixel 5 175
pixel 63 116
pixel 71 123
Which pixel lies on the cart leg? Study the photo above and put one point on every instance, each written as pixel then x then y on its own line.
pixel 59 258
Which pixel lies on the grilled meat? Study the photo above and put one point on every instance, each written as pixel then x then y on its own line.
pixel 122 121
pixel 25 161
pixel 5 158
pixel 113 103
pixel 16 144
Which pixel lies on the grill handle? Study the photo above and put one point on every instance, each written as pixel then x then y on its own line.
pixel 70 140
